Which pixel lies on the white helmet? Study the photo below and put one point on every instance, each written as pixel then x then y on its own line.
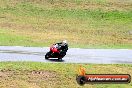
pixel 64 41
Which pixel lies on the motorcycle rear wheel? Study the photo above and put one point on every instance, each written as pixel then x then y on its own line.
pixel 60 59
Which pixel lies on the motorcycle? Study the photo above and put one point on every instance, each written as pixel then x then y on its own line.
pixel 54 52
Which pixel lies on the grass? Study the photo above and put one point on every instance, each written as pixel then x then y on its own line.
pixel 57 75
pixel 84 23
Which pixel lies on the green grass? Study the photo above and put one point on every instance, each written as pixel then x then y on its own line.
pixel 84 23
pixel 60 76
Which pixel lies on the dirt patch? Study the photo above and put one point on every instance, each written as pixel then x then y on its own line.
pixel 27 79
pixel 39 76
pixel 45 74
pixel 20 27
pixel 6 73
pixel 107 5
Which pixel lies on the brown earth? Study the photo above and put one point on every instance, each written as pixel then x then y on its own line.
pixel 27 79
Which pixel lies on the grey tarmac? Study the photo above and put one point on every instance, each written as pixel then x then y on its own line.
pixel 74 55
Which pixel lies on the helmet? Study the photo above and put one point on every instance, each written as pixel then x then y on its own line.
pixel 64 41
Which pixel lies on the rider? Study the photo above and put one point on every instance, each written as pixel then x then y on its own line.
pixel 63 47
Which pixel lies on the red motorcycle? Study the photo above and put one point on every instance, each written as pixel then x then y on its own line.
pixel 54 52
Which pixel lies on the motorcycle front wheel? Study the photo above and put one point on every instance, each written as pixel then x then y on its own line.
pixel 47 55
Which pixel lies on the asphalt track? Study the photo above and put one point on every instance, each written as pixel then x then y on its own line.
pixel 74 55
